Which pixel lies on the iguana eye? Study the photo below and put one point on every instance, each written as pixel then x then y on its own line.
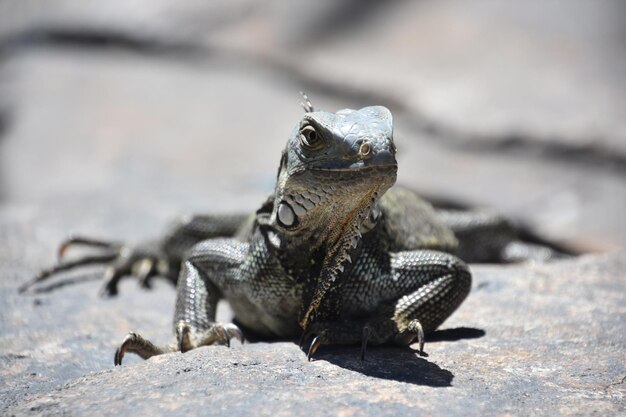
pixel 309 138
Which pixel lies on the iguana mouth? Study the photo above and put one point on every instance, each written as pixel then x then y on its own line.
pixel 358 168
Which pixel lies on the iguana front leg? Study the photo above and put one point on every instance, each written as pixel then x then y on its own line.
pixel 431 285
pixel 210 267
pixel 422 289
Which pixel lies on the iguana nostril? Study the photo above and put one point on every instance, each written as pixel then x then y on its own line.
pixel 383 157
pixel 365 149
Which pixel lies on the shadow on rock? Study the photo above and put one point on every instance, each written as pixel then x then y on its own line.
pixel 401 364
pixel 396 363
pixel 452 335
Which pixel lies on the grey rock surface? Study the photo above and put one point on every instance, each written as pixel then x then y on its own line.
pixel 556 350
pixel 115 117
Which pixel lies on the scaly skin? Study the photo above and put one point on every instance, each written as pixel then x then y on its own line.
pixel 325 255
pixel 334 253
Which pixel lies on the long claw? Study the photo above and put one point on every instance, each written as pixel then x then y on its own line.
pixel 416 327
pixel 315 344
pixel 223 335
pixel 219 333
pixel 84 241
pixel 317 341
pixel 117 359
pixel 183 335
pixel 234 332
pixel 366 335
pixel 136 344
pixel 120 351
pixel 65 266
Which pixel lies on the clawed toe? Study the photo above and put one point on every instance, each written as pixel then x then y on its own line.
pixel 66 266
pixel 221 333
pixel 234 332
pixel 334 333
pixel 217 334
pixel 414 332
pixel 112 247
pixel 121 350
pixel 416 328
pixel 319 338
pixel 137 344
pixel 143 263
pixel 112 276
pixel 315 344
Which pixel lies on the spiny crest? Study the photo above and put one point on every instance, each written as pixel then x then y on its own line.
pixel 306 103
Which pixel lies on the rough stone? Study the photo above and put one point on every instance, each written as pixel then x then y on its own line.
pixel 531 339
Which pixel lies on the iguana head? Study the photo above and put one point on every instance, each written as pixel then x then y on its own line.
pixel 333 170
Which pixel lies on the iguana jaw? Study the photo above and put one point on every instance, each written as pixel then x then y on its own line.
pixel 343 239
pixel 323 211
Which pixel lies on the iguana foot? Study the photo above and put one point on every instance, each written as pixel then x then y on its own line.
pixel 187 339
pixel 339 333
pixel 143 262
pixel 218 334
pixel 318 333
pixel 413 332
pixel 318 340
pixel 137 344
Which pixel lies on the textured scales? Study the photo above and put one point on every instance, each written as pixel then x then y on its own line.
pixel 334 254
pixel 330 253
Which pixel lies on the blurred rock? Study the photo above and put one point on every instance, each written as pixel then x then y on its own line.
pixel 486 74
pixel 161 136
pixel 163 22
pixel 548 74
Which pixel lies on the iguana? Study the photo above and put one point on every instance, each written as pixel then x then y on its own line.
pixel 336 254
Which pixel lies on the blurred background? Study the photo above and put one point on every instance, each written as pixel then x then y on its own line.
pixel 117 116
